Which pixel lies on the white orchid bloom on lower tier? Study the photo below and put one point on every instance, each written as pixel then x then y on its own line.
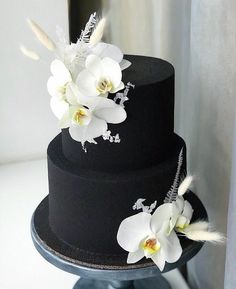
pixel 182 212
pixel 88 119
pixel 185 213
pixel 100 77
pixel 146 235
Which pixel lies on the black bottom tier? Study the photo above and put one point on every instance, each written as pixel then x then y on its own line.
pixel 87 207
pixel 50 241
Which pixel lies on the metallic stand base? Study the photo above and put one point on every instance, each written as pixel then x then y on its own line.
pixel 148 283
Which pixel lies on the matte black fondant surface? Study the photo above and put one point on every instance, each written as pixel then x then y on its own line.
pixel 103 261
pixel 86 207
pixel 146 135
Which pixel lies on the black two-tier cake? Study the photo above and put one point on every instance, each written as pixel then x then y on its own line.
pixel 90 193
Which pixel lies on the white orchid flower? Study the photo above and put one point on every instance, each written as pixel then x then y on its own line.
pixel 146 235
pixel 74 55
pixel 182 213
pixel 108 50
pixel 57 83
pixel 60 106
pixel 103 50
pixel 100 77
pixel 182 210
pixel 89 117
pixel 61 88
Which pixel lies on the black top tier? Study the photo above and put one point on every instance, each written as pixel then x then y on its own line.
pixel 146 134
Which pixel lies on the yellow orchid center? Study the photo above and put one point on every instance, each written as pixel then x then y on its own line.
pixel 182 226
pixel 182 223
pixel 81 116
pixel 151 246
pixel 104 86
pixel 61 89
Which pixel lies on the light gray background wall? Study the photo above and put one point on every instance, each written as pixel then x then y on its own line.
pixel 26 122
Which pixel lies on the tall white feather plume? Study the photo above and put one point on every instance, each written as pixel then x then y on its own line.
pixel 97 34
pixel 185 185
pixel 41 35
pixel 214 237
pixel 29 53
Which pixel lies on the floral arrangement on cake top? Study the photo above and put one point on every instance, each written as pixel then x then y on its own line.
pixel 83 75
pixel 156 236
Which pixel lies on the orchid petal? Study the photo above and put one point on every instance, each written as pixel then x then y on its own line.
pixel 65 121
pixel 83 133
pixel 94 64
pixel 170 246
pixel 159 259
pixel 72 93
pixel 60 72
pixel 181 222
pixel 133 230
pixel 106 109
pixel 179 204
pixel 99 102
pixel 134 257
pixel 59 107
pixel 119 87
pixel 177 209
pixel 87 83
pixel 162 213
pixel 52 86
pixel 188 210
pixel 116 114
pixel 173 222
pixel 107 50
pixel 124 64
pixel 112 70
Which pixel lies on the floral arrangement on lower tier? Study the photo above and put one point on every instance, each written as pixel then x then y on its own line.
pixel 83 75
pixel 156 235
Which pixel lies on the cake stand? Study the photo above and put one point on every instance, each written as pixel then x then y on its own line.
pixel 137 276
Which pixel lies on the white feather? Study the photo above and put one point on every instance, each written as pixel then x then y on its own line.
pixel 29 53
pixel 184 186
pixel 97 34
pixel 197 226
pixel 201 235
pixel 41 35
